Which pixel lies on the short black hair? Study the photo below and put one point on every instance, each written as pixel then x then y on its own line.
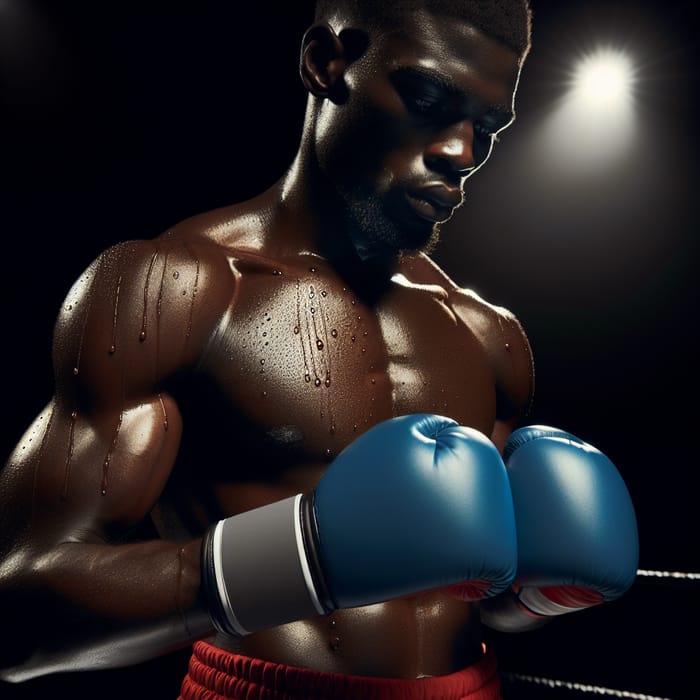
pixel 507 21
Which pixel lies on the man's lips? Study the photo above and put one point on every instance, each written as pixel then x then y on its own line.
pixel 434 203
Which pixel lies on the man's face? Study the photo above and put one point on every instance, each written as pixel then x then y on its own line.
pixel 424 104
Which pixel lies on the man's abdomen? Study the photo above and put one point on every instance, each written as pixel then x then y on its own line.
pixel 424 635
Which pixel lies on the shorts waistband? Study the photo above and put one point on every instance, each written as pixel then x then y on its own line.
pixel 215 674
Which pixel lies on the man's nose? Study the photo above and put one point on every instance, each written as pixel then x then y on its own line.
pixel 451 150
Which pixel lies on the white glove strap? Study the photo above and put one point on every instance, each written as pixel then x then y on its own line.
pixel 538 603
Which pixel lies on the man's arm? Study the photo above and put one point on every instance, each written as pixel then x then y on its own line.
pixel 76 592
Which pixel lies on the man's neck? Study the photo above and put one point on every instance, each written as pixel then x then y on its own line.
pixel 313 213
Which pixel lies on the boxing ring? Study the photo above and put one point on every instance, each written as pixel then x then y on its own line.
pixel 622 676
pixel 640 646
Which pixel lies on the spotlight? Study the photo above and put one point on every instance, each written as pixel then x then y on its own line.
pixel 594 124
pixel 602 82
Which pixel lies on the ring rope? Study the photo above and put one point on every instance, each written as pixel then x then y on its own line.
pixel 597 690
pixel 668 574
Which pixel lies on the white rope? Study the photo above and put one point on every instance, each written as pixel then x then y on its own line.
pixel 668 574
pixel 595 689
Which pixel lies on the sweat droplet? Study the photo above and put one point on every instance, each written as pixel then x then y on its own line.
pixel 334 333
pixel 319 343
pixel 165 414
pixel 69 456
pixel 113 346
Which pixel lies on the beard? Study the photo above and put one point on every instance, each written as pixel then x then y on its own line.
pixel 374 234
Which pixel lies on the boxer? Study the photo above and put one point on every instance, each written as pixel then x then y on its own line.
pixel 277 427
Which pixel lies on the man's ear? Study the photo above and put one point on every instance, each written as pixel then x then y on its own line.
pixel 323 62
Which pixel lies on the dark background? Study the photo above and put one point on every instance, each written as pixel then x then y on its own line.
pixel 119 119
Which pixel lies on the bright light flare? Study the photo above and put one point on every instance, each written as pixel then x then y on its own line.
pixel 594 124
pixel 603 81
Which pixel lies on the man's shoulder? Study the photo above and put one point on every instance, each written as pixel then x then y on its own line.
pixel 158 262
pixel 468 304
pixel 209 243
pixel 179 282
pixel 216 232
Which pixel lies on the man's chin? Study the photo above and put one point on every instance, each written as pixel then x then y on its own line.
pixel 396 250
pixel 427 243
pixel 376 235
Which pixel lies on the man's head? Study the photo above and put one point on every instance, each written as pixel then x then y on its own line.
pixel 508 21
pixel 406 100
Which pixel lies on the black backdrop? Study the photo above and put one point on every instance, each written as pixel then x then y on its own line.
pixel 121 118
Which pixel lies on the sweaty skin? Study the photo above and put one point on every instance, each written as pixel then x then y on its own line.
pixel 224 364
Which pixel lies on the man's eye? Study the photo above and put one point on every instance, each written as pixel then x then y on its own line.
pixel 419 105
pixel 483 132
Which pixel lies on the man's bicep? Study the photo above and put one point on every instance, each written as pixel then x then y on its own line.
pixel 77 476
pixel 104 447
pixel 99 456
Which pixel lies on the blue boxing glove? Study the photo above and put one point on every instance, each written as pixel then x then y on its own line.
pixel 575 523
pixel 415 503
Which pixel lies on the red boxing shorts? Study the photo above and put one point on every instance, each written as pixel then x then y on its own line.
pixel 215 674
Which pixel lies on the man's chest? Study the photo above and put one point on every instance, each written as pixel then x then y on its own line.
pixel 305 361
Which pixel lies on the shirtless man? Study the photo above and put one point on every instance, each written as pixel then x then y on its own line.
pixel 223 367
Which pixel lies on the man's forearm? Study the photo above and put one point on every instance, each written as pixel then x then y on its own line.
pixel 97 606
